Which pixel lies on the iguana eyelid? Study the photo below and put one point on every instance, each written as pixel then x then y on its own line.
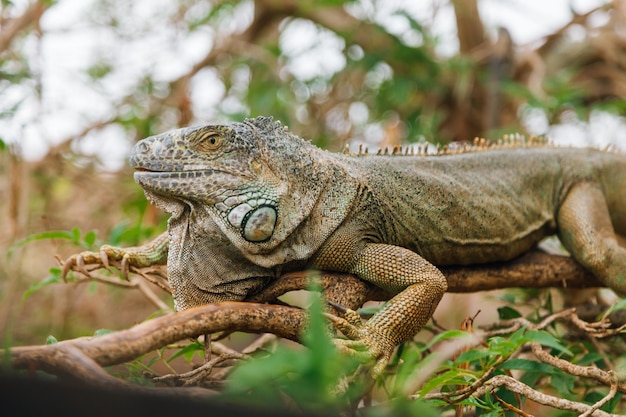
pixel 209 141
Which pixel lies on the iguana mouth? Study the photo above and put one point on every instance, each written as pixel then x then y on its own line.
pixel 181 168
pixel 187 173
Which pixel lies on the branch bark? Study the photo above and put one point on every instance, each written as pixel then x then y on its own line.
pixel 12 27
pixel 534 269
pixel 83 358
pixel 520 388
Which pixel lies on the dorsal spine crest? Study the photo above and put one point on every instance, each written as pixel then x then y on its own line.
pixel 512 141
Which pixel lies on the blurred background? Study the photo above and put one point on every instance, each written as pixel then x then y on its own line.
pixel 82 80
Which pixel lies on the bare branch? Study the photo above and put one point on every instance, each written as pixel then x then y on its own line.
pixel 126 345
pixel 533 270
pixel 516 386
pixel 11 28
pixel 604 377
pixel 608 397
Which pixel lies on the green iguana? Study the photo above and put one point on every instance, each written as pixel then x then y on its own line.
pixel 249 201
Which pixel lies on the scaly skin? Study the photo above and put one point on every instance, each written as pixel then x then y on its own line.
pixel 250 201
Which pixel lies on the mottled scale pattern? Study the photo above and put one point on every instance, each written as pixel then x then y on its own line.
pixel 250 201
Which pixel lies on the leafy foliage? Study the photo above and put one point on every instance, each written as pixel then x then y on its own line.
pixel 232 59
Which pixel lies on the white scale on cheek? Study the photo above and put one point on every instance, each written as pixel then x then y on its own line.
pixel 233 200
pixel 260 224
pixel 236 215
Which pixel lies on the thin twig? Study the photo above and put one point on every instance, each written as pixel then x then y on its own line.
pixel 195 376
pixel 149 294
pixel 606 399
pixel 511 407
pixel 604 377
pixel 259 343
pixel 514 385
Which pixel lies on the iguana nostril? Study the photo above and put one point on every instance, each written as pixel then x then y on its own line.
pixel 141 147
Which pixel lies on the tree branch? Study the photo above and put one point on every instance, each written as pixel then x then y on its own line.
pixel 11 28
pixel 534 269
pixel 516 386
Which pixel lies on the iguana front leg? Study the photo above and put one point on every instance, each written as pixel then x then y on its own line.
pixel 419 286
pixel 152 253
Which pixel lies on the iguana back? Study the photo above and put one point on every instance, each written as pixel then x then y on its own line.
pixel 484 206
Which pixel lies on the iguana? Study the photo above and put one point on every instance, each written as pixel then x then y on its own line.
pixel 249 201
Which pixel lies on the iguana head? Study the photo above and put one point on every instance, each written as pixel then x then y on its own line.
pixel 220 166
pixel 256 181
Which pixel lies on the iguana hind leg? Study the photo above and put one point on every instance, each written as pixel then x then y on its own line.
pixel 586 230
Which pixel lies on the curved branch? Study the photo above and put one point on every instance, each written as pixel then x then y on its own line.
pixel 516 386
pixel 534 269
pixel 126 345
pixel 11 28
pixel 76 357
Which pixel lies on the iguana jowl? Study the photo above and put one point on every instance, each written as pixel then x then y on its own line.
pixel 250 201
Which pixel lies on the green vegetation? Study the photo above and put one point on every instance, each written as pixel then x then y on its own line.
pixel 337 72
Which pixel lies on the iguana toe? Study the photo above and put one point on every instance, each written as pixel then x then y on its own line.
pixel 104 257
pixel 78 262
pixel 365 343
pixel 101 258
pixel 125 266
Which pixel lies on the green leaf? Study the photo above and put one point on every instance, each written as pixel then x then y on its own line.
pixel 76 234
pixel 521 364
pixel 449 334
pixel 401 407
pixel 307 377
pixel 564 383
pixel 188 351
pixel 620 305
pixel 53 278
pixel 52 234
pixel 506 313
pixel 508 297
pixel 453 376
pixel 116 235
pixel 90 238
pixel 99 70
pixel 590 358
pixel 369 310
pixel 51 340
pixel 152 361
pixel 472 355
pixel 593 397
pixel 102 332
pixel 546 339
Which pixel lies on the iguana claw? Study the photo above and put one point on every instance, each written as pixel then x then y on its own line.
pixel 365 343
pixel 78 262
pixel 152 253
pixel 104 258
pixel 125 267
pixel 100 258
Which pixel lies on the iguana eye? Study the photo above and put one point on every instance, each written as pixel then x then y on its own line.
pixel 209 141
